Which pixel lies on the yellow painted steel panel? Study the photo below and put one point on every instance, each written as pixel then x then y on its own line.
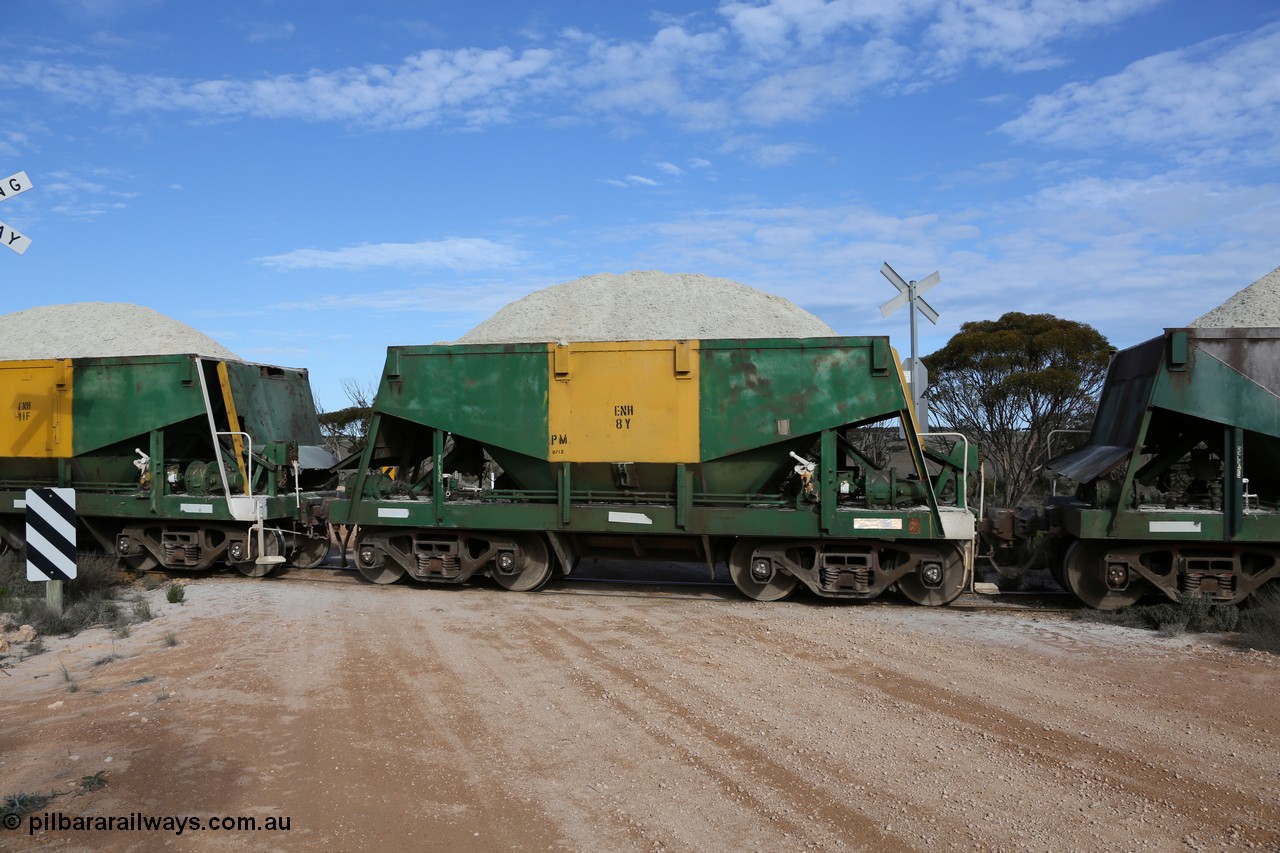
pixel 35 408
pixel 625 401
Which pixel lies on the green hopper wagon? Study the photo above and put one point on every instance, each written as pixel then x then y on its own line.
pixel 1180 479
pixel 515 460
pixel 177 461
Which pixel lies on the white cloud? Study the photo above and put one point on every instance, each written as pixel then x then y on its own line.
pixel 1017 34
pixel 270 32
pixel 754 149
pixel 669 168
pixel 781 26
pixel 631 181
pixel 1204 100
pixel 764 63
pixel 1013 34
pixel 456 253
pixel 75 196
pixel 13 143
pixel 1129 256
pixel 471 86
pixel 452 298
pixel 79 9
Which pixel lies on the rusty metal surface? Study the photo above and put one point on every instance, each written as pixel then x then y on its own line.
pixel 1254 353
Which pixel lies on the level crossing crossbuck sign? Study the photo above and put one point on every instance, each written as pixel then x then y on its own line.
pixel 51 534
pixel 9 187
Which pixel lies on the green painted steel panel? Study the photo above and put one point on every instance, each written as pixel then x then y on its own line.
pixel 1137 525
pixel 274 403
pixel 662 519
pixel 118 399
pixel 495 394
pixel 812 384
pixel 1219 393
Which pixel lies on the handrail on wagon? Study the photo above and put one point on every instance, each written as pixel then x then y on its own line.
pixel 1048 450
pixel 964 468
pixel 970 569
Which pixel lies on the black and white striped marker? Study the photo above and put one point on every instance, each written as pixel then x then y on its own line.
pixel 51 534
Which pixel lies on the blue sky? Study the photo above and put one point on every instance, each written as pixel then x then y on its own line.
pixel 309 182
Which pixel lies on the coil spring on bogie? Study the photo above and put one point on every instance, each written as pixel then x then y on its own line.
pixel 1195 583
pixel 442 565
pixel 837 578
pixel 436 557
pixel 190 554
pixel 846 571
pixel 1212 575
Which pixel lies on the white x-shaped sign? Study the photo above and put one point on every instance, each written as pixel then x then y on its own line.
pixel 904 293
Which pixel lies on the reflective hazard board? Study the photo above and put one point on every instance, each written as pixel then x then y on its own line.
pixel 51 534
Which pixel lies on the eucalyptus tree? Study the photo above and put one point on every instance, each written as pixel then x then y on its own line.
pixel 1008 383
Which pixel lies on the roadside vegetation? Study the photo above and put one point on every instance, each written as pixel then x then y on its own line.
pixel 1256 621
pixel 100 596
pixel 24 803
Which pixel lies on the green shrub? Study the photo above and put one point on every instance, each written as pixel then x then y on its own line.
pixel 175 594
pixel 93 782
pixel 1260 619
pixel 86 600
pixel 23 803
pixel 1224 617
pixel 142 611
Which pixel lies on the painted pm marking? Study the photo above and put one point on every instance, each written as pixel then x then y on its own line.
pixel 51 534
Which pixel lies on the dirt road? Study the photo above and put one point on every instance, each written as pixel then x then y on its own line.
pixel 473 718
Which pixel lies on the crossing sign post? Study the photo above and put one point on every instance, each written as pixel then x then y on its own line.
pixel 9 187
pixel 51 540
pixel 912 293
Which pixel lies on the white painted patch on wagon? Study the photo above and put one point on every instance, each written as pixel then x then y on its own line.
pixel 877 524
pixel 1175 527
pixel 630 518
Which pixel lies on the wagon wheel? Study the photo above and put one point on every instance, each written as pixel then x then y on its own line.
pixel 1084 571
pixel 311 551
pixel 936 582
pixel 759 579
pixel 375 570
pixel 273 546
pixel 1054 563
pixel 143 562
pixel 525 570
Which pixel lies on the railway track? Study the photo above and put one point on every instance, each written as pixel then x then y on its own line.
pixel 614 586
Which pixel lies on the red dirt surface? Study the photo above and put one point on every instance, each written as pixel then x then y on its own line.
pixel 474 718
